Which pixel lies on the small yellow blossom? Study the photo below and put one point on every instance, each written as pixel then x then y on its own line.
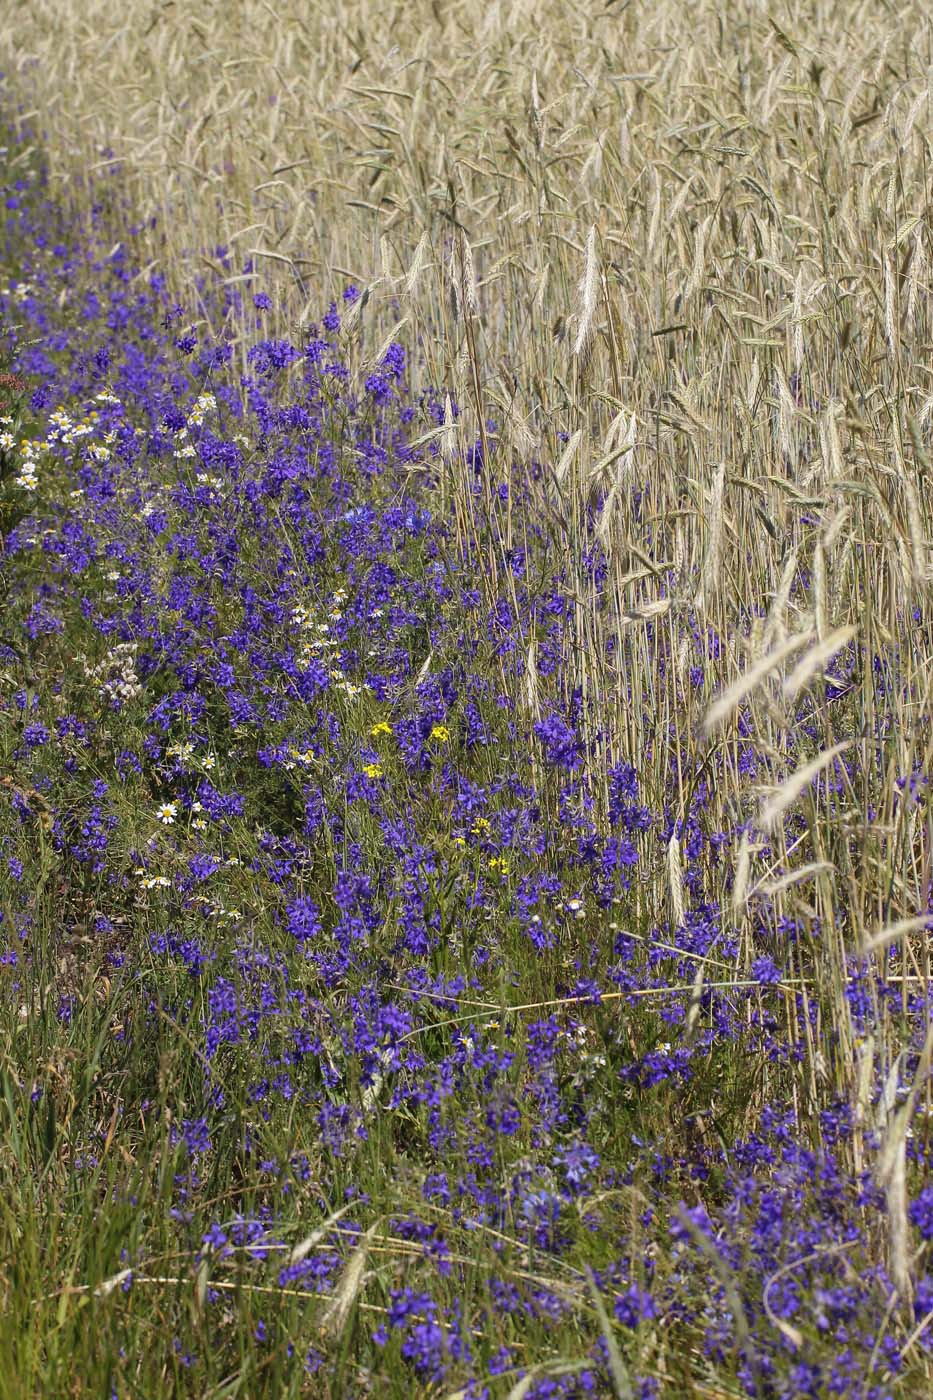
pixel 302 755
pixel 372 770
pixel 381 728
pixel 499 863
pixel 441 734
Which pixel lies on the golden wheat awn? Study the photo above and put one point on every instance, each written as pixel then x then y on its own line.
pixel 772 810
pixel 734 694
pixel 810 664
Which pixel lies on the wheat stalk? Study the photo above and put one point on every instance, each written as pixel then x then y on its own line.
pixel 586 296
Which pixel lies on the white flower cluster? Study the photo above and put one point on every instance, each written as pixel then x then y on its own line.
pixel 29 449
pixel 188 757
pixel 18 291
pixel 203 405
pixel 309 620
pixel 151 882
pixel 116 674
pixel 63 429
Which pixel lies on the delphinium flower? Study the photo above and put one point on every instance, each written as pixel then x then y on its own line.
pixel 561 743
